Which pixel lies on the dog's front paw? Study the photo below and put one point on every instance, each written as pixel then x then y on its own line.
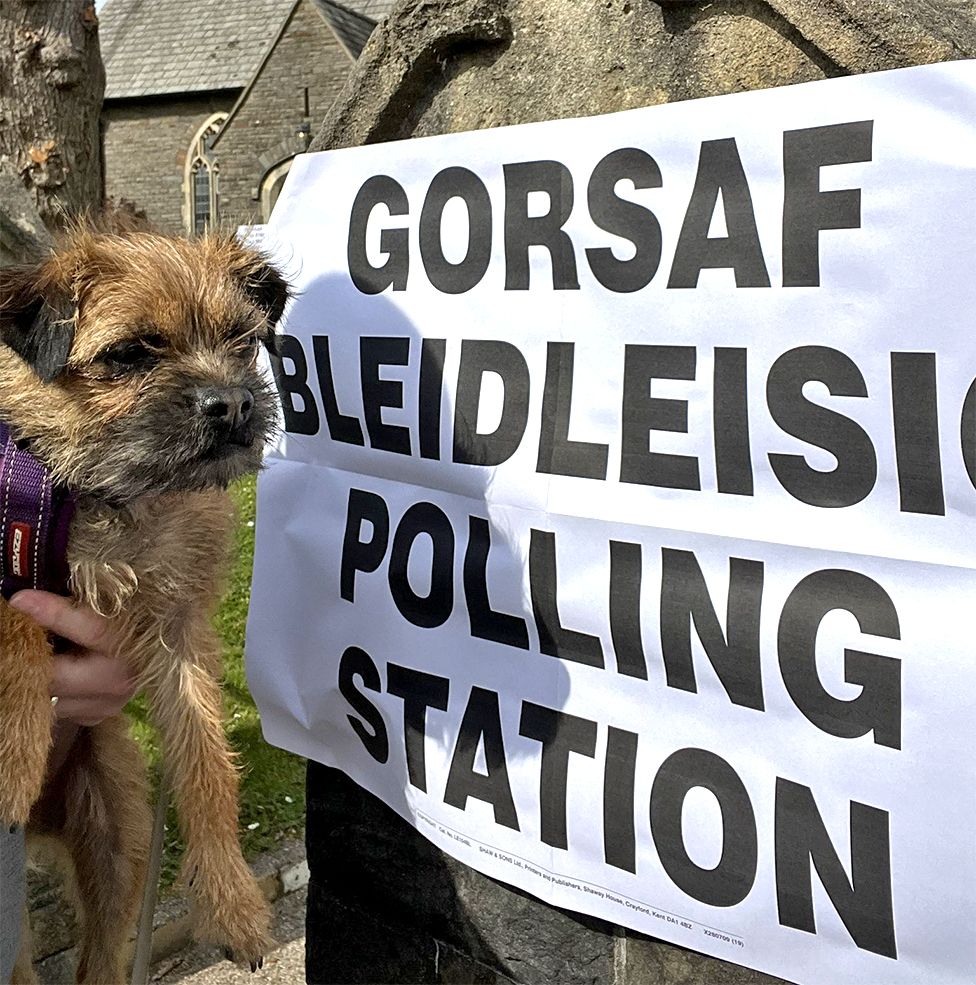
pixel 255 965
pixel 234 913
pixel 250 948
pixel 245 943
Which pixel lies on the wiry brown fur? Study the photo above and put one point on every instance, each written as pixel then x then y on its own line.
pixel 148 541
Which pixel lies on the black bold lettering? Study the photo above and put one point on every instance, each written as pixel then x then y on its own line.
pixel 734 654
pixel 863 901
pixel 486 623
pixel 967 432
pixel 342 427
pixel 627 219
pixel 857 466
pixel 730 423
pixel 303 419
pixel 559 455
pixel 554 638
pixel 625 608
pixel 806 209
pixel 479 357
pixel 429 413
pixel 419 692
pixel 434 608
pixel 560 734
pixel 642 413
pixel 719 171
pixel 354 663
pixel 878 707
pixel 523 231
pixel 619 840
pixel 456 278
pixel 379 393
pixel 916 417
pixel 481 724
pixel 359 554
pixel 378 190
pixel 731 880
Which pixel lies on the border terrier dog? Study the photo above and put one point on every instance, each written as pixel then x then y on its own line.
pixel 128 368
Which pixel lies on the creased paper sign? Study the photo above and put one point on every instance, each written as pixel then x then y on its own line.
pixel 622 535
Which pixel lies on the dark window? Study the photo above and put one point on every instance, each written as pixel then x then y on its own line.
pixel 201 197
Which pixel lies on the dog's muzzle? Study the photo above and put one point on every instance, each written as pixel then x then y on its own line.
pixel 227 411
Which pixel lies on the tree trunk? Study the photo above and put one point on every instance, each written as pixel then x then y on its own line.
pixel 51 87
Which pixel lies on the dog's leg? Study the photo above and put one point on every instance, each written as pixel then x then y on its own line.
pixel 107 828
pixel 187 706
pixel 25 707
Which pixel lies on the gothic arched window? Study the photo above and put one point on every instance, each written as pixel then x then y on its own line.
pixel 200 178
pixel 272 181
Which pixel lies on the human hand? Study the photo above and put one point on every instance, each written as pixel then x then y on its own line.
pixel 92 682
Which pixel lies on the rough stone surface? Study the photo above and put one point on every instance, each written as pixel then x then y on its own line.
pixel 873 35
pixel 644 961
pixel 438 66
pixel 378 889
pixel 53 925
pixel 21 231
pixel 393 900
pixel 385 905
pixel 58 969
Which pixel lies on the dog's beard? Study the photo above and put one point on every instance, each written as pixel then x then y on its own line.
pixel 167 445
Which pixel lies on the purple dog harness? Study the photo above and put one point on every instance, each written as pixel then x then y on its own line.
pixel 35 516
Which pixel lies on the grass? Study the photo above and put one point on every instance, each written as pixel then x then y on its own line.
pixel 272 781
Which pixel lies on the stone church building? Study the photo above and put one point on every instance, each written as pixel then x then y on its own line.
pixel 207 102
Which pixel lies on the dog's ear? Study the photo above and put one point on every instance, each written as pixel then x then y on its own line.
pixel 267 290
pixel 36 320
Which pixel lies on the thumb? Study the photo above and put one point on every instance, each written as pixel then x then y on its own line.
pixel 82 627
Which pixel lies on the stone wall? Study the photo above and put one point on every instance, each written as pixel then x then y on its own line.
pixel 145 146
pixel 384 904
pixel 146 140
pixel 262 131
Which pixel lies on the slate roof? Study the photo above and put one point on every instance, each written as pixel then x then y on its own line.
pixel 159 47
pixel 353 20
pixel 154 47
pixel 377 10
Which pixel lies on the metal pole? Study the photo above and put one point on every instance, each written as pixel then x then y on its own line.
pixel 143 951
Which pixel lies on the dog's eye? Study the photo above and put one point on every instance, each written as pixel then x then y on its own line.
pixel 133 354
pixel 248 344
pixel 128 354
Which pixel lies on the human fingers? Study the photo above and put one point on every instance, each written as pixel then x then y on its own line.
pixel 82 626
pixel 83 711
pixel 90 688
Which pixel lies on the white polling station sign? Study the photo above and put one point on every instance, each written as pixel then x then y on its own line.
pixel 623 533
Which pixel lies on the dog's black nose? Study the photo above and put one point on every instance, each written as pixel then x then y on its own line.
pixel 227 405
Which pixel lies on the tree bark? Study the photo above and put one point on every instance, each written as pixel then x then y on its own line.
pixel 51 87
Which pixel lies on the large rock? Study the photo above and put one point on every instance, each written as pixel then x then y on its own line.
pixel 385 905
pixel 440 66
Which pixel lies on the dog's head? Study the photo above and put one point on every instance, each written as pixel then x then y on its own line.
pixel 129 361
